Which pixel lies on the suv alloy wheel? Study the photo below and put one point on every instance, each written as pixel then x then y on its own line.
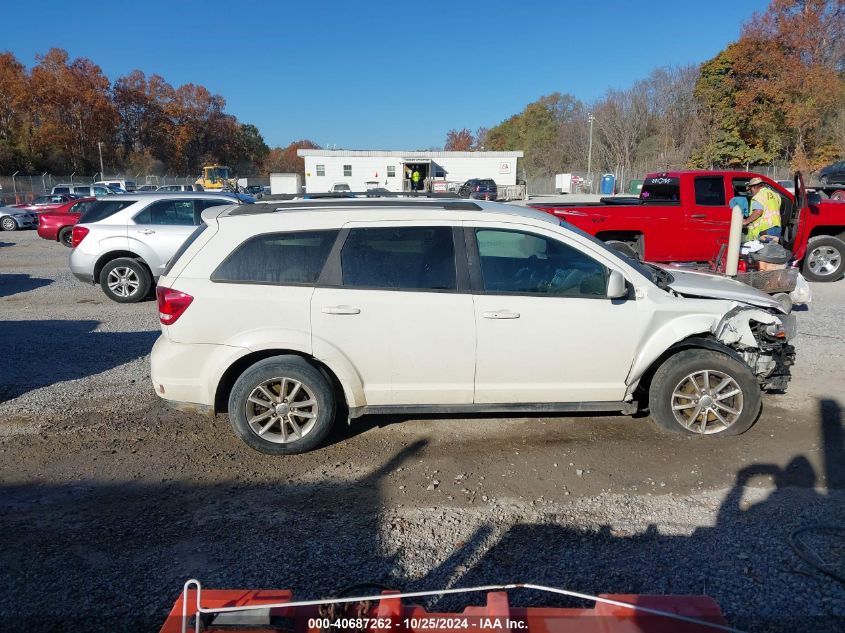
pixel 703 392
pixel 282 405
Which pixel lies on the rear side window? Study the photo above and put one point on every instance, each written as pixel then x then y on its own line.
pixel 103 209
pixel 400 258
pixel 61 189
pixel 170 213
pixel 663 189
pixel 278 258
pixel 710 191
pixel 82 190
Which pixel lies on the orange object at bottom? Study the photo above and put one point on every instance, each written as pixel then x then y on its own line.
pixel 389 614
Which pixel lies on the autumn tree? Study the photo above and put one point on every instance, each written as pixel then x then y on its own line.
pixel 459 141
pixel 14 85
pixel 70 112
pixel 284 160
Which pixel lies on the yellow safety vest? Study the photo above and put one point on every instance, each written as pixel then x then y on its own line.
pixel 415 176
pixel 770 201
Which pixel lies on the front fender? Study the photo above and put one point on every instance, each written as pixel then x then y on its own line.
pixel 664 336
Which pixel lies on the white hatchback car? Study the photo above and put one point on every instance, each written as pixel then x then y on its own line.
pixel 283 314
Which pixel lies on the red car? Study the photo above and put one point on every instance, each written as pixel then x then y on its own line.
pixel 57 224
pixel 47 202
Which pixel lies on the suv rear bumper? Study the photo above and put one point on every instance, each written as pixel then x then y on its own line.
pixel 186 375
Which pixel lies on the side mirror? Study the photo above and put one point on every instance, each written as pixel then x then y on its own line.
pixel 616 285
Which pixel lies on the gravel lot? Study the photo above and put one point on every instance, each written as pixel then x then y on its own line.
pixel 110 502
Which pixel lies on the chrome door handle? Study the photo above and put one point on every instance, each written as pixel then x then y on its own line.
pixel 147 231
pixel 500 314
pixel 698 216
pixel 341 310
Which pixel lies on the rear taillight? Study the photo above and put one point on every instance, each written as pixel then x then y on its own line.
pixel 171 304
pixel 79 233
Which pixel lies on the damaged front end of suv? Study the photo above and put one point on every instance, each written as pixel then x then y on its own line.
pixel 761 338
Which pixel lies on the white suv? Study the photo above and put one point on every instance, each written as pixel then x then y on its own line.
pixel 284 314
pixel 124 242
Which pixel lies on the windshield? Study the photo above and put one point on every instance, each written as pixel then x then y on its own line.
pixel 646 270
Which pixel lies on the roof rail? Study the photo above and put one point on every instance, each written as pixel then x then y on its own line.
pixel 350 203
pixel 319 195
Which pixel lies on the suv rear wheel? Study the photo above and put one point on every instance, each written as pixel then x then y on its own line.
pixel 703 392
pixel 282 405
pixel 125 280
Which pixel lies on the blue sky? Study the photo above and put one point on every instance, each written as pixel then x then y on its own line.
pixel 386 75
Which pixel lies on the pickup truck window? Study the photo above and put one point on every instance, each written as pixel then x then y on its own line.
pixel 710 191
pixel 661 189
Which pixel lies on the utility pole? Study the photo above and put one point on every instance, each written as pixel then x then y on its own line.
pixel 590 118
pixel 100 149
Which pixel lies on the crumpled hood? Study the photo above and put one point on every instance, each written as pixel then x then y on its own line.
pixel 694 284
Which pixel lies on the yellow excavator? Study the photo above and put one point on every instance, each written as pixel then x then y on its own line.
pixel 216 178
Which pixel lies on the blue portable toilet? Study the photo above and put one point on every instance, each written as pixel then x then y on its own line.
pixel 608 185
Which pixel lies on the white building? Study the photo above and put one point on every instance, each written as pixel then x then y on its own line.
pixel 391 170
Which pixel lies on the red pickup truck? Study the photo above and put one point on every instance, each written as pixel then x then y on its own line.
pixel 683 216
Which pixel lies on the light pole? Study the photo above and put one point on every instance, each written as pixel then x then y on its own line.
pixel 590 118
pixel 100 150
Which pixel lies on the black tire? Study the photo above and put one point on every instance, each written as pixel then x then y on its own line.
pixel 824 259
pixel 271 372
pixel 66 236
pixel 675 373
pixel 8 224
pixel 625 248
pixel 137 278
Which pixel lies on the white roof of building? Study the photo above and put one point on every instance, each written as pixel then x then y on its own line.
pixel 402 154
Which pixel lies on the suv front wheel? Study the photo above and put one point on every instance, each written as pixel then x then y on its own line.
pixel 703 392
pixel 282 405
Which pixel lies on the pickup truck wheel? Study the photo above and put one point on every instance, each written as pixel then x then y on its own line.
pixel 624 248
pixel 282 405
pixel 823 260
pixel 703 392
pixel 125 280
pixel 66 236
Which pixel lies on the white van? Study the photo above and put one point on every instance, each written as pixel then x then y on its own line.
pixel 128 185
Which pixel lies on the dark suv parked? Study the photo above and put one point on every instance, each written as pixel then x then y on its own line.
pixel 834 173
pixel 479 189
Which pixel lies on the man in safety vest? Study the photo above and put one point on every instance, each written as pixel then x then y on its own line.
pixel 763 222
pixel 415 180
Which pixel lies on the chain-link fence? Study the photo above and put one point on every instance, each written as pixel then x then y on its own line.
pixel 19 188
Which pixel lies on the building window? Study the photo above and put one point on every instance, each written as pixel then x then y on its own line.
pixel 391 171
pixel 347 170
pixel 321 170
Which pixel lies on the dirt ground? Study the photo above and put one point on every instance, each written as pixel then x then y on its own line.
pixel 109 502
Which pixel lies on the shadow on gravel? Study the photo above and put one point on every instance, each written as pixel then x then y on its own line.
pixel 89 556
pixel 12 284
pixel 2 244
pixel 37 354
